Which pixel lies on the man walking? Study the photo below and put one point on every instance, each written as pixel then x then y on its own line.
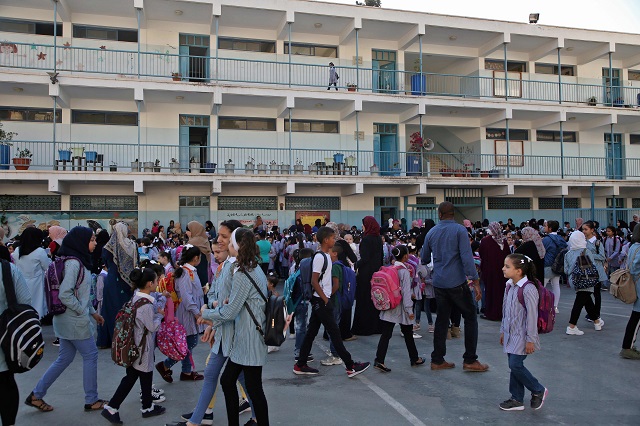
pixel 453 263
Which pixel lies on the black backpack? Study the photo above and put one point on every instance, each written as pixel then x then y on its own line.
pixel 558 263
pixel 305 289
pixel 276 312
pixel 20 330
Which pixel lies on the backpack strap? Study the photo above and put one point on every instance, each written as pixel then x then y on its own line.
pixel 255 321
pixel 7 281
pixel 324 265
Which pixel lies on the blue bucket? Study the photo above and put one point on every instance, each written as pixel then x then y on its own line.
pixel 64 154
pixel 338 158
pixel 91 155
pixel 209 167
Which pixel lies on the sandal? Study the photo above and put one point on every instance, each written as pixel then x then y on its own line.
pixel 38 403
pixel 92 407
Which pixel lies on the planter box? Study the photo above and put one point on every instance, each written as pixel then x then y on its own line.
pixel 338 158
pixel 352 88
pixel 91 156
pixel 274 169
pixel 285 169
pixel 419 85
pixel 414 164
pixel 249 168
pixel 446 172
pixel 229 168
pixel 194 168
pixel 298 169
pixel 209 167
pixel 262 169
pixel 21 163
pixel 113 168
pixel 174 167
pixel 313 169
pixel 375 170
pixel 148 166
pixel 135 166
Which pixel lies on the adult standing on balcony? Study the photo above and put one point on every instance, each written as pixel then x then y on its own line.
pixel 121 256
pixel 198 237
pixel 493 250
pixel 333 77
pixel 366 320
pixel 33 262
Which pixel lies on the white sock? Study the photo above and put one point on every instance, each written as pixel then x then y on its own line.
pixel 208 410
pixel 148 410
pixel 111 410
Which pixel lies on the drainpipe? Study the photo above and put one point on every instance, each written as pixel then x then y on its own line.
pixel 613 156
pixel 421 137
pixel 357 136
pixel 562 149
pixel 506 79
pixel 138 10
pixel 55 106
pixel 559 78
pixel 217 131
pixel 563 210
pixel 357 63
pixel 289 25
pixel 217 44
pixel 290 144
pixel 508 148
pixel 593 200
pixel 55 36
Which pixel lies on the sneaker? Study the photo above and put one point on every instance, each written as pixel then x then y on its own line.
pixel 556 309
pixel 56 342
pixel 156 411
pixel 272 349
pixel 537 400
pixel 305 370
pixel 511 405
pixel 416 327
pixel 244 406
pixel 155 398
pixel 331 360
pixel 632 353
pixel 432 328
pixel 380 366
pixel 587 318
pixel 575 331
pixel 309 358
pixel 598 325
pixel 357 368
pixel 415 335
pixel 112 418
pixel 154 389
pixel 251 422
pixel 207 420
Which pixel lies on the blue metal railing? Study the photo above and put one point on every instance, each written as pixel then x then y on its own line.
pixel 209 69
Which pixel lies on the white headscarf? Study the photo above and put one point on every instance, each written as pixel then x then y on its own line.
pixel 234 243
pixel 577 241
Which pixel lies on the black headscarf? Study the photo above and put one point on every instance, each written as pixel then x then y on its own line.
pixel 30 240
pixel 101 240
pixel 4 253
pixel 76 244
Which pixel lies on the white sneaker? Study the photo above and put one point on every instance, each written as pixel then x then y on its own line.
pixel 598 325
pixel 417 336
pixel 557 311
pixel 331 360
pixel 575 331
pixel 272 349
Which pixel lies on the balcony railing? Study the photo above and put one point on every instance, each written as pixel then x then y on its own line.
pixel 97 157
pixel 206 69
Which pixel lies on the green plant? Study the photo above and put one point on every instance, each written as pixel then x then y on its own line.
pixel 24 153
pixel 416 65
pixel 5 136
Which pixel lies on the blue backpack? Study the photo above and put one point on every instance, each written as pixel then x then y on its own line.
pixel 289 286
pixel 304 290
pixel 348 292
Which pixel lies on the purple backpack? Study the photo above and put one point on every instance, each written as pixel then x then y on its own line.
pixel 546 308
pixel 52 281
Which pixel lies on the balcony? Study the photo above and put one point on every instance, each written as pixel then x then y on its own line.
pixel 206 69
pixel 227 160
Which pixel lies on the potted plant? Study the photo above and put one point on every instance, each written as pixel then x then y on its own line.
pixel 23 160
pixel 5 147
pixel 446 172
pixel 298 168
pixel 194 166
pixel 475 173
pixel 229 167
pixel 285 168
pixel 274 167
pixel 262 169
pixel 250 166
pixel 338 157
pixel 113 167
pixel 375 170
pixel 395 169
pixel 418 80
pixel 592 101
pixel 156 166
pixel 135 166
pixel 618 102
pixel 484 173
pixel 313 169
pixel 176 76
pixel 174 166
pixel 352 87
pixel 209 167
pixel 147 166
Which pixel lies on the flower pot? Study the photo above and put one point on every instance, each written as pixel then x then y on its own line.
pixel 484 174
pixel 157 169
pixel 174 167
pixel 5 154
pixel 91 156
pixel 395 171
pixel 375 170
pixel 298 169
pixel 274 169
pixel 64 154
pixel 113 168
pixel 285 168
pixel 446 172
pixel 338 158
pixel 135 166
pixel 494 173
pixel 313 169
pixel 21 163
pixel 194 168
pixel 249 167
pixel 352 88
pixel 176 76
pixel 148 166
pixel 229 168
pixel 459 173
pixel 209 167
pixel 419 85
pixel 262 169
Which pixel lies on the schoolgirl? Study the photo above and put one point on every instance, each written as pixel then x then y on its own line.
pixel 423 292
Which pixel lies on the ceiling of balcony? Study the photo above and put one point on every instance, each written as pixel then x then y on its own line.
pixel 384 30
pixel 241 17
pixel 580 47
pixel 527 44
pixel 23 89
pixel 254 101
pixel 192 13
pixel 110 8
pixel 330 25
pixel 463 38
pixel 115 94
pixel 33 4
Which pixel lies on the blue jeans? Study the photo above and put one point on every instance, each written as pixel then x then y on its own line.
pixel 520 378
pixel 337 311
pixel 422 305
pixel 192 342
pixel 67 352
pixel 300 317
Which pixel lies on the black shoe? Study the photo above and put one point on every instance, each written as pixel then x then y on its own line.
pixel 244 407
pixel 206 420
pixel 157 410
pixel 112 418
pixel 309 358
pixel 251 422
pixel 417 362
pixel 511 405
pixel 380 366
pixel 537 400
pixel 56 342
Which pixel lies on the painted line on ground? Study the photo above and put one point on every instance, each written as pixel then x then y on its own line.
pixel 401 409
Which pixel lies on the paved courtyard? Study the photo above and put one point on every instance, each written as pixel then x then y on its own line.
pixel 589 384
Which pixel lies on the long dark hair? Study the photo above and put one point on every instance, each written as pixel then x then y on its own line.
pixel 399 252
pixel 187 255
pixel 523 263
pixel 140 277
pixel 248 251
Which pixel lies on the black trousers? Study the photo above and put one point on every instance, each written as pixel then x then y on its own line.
pixel 126 384
pixel 253 380
pixel 631 332
pixel 9 398
pixel 597 298
pixel 387 332
pixel 583 300
pixel 345 324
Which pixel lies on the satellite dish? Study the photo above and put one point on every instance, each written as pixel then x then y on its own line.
pixel 428 144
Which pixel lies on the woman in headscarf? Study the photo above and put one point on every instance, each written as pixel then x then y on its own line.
pixel 198 237
pixel 428 224
pixel 57 234
pixel 33 262
pixel 467 224
pixel 76 326
pixel 577 246
pixel 121 257
pixel 366 320
pixel 101 240
pixel 493 250
pixel 533 248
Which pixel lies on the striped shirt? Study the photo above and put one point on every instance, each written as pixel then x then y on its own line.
pixel 520 325
pixel 221 291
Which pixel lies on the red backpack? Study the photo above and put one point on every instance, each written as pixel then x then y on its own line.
pixel 546 307
pixel 124 350
pixel 385 288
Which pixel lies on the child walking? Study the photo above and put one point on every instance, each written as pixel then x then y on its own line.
pixel 519 331
pixel 147 320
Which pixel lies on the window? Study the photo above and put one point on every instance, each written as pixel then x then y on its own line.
pixel 553 69
pixel 30 203
pixel 554 136
pixel 29 27
pixel 311 50
pixel 105 33
pixel 618 201
pixel 240 123
pixel 556 203
pixel 104 202
pixel 514 134
pixel 634 139
pixel 246 45
pixel 426 200
pixel 312 203
pixel 635 203
pixel 29 114
pixel 198 201
pixel 248 203
pixel 104 117
pixel 498 65
pixel 509 203
pixel 634 75
pixel 311 126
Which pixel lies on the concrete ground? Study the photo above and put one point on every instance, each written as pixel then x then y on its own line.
pixel 589 384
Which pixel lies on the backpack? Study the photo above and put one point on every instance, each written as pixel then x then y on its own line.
pixel 52 281
pixel 385 288
pixel 348 292
pixel 306 274
pixel 546 307
pixel 171 338
pixel 168 284
pixel 21 334
pixel 412 265
pixel 275 311
pixel 558 263
pixel 623 287
pixel 584 273
pixel 290 284
pixel 124 350
pixel 93 293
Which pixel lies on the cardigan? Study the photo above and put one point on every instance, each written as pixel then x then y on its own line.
pixel 76 323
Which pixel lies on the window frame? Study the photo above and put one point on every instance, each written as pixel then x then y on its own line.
pixel 79 27
pixel 633 136
pixel 34 26
pixel 246 121
pixel 27 110
pixel 234 40
pixel 555 136
pixel 106 114
pixel 510 65
pixel 311 123
pixel 554 69
pixel 312 49
pixel 501 134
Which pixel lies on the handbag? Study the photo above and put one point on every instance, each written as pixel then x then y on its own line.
pixel 171 338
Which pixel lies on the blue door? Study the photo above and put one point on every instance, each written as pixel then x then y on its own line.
pixel 184 62
pixel 194 143
pixel 183 151
pixel 384 71
pixel 385 146
pixel 194 57
pixel 615 165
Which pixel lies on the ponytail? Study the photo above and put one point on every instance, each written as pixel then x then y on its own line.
pixel 525 264
pixel 189 253
pixel 140 277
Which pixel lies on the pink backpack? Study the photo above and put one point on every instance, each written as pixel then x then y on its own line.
pixel 171 338
pixel 546 308
pixel 385 288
